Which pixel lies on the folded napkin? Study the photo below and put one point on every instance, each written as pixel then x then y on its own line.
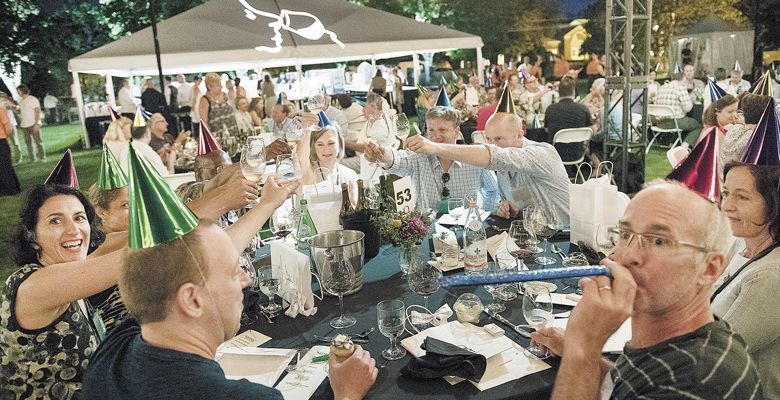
pixel 292 269
pixel 445 359
pixel 439 317
pixel 444 238
pixel 500 244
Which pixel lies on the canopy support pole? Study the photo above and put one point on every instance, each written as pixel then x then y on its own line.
pixel 80 105
pixel 299 70
pixel 416 66
pixel 480 66
pixel 110 89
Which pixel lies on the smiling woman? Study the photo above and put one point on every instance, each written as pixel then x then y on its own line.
pixel 45 337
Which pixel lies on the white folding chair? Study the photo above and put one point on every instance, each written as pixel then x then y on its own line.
pixel 658 112
pixel 676 154
pixel 574 135
pixel 478 137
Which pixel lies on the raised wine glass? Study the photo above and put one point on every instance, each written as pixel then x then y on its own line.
pixel 253 161
pixel 537 311
pixel 401 126
pixel 391 315
pixel 282 223
pixel 287 167
pixel 338 277
pixel 316 103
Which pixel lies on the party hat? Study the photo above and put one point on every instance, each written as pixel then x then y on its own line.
pixel 535 124
pixel 677 69
pixel 443 100
pixel 737 67
pixel 207 143
pixel 443 81
pixel 454 87
pixel 505 103
pixel 421 89
pixel 280 99
pixel 64 173
pixel 699 171
pixel 324 120
pixel 763 85
pixel 115 116
pixel 763 148
pixel 524 73
pixel 139 121
pixel 156 213
pixel 110 175
pixel 716 92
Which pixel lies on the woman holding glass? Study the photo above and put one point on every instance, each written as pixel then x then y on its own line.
pixel 324 148
pixel 217 113
pixel 751 201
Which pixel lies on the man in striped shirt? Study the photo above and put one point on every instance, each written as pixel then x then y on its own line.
pixel 668 254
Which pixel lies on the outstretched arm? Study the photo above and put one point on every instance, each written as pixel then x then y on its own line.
pixel 477 155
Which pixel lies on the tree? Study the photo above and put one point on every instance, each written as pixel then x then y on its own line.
pixel 126 16
pixel 596 14
pixel 763 15
pixel 14 14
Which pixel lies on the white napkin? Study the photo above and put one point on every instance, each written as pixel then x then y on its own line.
pixel 304 380
pixel 443 238
pixel 292 269
pixel 439 317
pixel 447 219
pixel 258 365
pixel 500 244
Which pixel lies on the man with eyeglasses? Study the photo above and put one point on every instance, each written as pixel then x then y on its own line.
pixel 529 173
pixel 437 178
pixel 667 257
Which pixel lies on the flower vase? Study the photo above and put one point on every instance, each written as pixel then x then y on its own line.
pixel 407 255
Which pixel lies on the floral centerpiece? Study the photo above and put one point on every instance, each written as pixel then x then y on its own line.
pixel 405 230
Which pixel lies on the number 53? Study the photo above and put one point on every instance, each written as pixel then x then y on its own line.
pixel 403 196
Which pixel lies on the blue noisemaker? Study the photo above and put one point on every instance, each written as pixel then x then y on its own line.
pixel 524 276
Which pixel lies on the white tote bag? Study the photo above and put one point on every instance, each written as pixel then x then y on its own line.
pixel 595 205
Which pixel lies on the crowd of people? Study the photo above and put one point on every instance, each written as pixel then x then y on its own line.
pixel 128 294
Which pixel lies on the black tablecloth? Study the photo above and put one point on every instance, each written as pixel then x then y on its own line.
pixel 382 281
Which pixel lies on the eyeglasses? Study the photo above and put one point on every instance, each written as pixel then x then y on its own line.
pixel 622 237
pixel 445 177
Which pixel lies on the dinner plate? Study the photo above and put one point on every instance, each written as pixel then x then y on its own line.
pixel 551 287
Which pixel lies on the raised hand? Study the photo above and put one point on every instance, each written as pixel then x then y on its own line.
pixel 420 144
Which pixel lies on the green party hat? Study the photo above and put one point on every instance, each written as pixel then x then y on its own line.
pixel 110 175
pixel 505 103
pixel 421 89
pixel 156 213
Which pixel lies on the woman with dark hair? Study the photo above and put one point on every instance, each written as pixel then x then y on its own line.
pixel 733 144
pixel 751 201
pixel 45 336
pixel 256 111
pixel 719 114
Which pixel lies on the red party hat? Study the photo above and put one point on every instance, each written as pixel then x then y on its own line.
pixel 699 171
pixel 207 143
pixel 763 148
pixel 64 173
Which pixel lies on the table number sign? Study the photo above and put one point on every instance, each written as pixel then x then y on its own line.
pixel 403 194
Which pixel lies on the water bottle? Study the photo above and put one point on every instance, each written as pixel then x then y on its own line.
pixel 306 228
pixel 474 242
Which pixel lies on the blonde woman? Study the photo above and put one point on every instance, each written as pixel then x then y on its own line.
pixel 323 149
pixel 217 114
pixel 117 137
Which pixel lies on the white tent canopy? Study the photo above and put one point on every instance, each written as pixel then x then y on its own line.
pixel 218 36
pixel 715 43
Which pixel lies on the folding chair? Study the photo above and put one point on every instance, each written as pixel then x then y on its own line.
pixel 574 135
pixel 658 112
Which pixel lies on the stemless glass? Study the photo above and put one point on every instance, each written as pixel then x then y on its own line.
pixel 543 226
pixel 268 285
pixel 282 223
pixel 537 311
pixel 391 316
pixel 338 277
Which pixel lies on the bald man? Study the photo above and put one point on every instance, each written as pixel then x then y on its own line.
pixel 529 173
pixel 668 255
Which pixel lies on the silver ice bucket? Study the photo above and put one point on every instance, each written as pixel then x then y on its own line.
pixel 339 244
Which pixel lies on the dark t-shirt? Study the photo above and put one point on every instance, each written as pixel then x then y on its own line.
pixel 157 143
pixel 126 367
pixel 709 363
pixel 564 115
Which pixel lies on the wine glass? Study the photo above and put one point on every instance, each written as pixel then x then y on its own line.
pixel 282 222
pixel 543 226
pixel 455 210
pixel 287 167
pixel 253 161
pixel 522 239
pixel 537 311
pixel 528 226
pixel 496 306
pixel 391 316
pixel 268 285
pixel 423 279
pixel 401 126
pixel 506 263
pixel 605 239
pixel 293 131
pixel 316 103
pixel 338 277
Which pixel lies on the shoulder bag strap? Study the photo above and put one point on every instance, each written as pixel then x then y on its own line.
pixel 742 268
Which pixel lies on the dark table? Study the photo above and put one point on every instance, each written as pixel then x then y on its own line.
pixel 382 281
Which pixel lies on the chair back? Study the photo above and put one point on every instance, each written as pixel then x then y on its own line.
pixel 478 137
pixel 675 155
pixel 658 111
pixel 573 135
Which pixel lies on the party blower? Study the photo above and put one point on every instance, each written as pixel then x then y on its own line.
pixel 524 276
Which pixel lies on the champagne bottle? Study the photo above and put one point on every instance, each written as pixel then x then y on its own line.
pixel 361 201
pixel 306 228
pixel 346 206
pixel 474 242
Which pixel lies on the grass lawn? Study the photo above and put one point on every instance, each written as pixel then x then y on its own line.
pixel 58 138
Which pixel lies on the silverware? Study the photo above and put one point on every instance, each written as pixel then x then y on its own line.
pixel 267 316
pixel 516 328
pixel 328 339
pixel 498 228
pixel 557 250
